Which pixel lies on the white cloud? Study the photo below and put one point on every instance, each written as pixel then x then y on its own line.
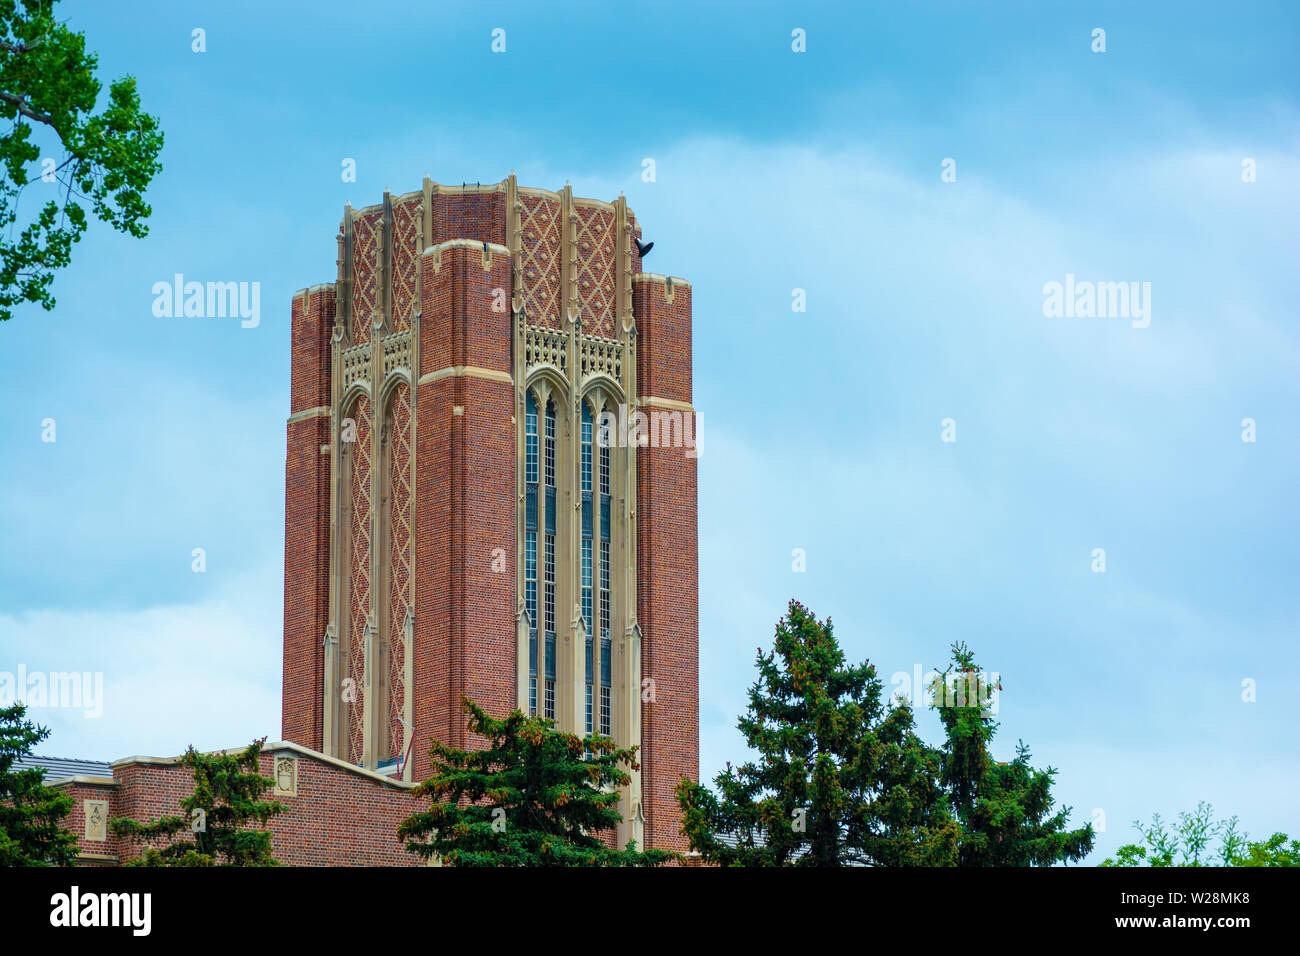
pixel 206 673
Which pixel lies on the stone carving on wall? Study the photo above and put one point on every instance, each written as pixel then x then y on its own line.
pixel 286 776
pixel 96 820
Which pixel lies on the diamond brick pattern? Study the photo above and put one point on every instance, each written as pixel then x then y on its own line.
pixel 406 258
pixel 399 543
pixel 539 243
pixel 596 237
pixel 358 584
pixel 367 234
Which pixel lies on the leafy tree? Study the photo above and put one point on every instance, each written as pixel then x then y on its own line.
pixel 1277 850
pixel 839 779
pixel 1188 844
pixel 1005 809
pixel 533 797
pixel 31 814
pixel 227 800
pixel 108 158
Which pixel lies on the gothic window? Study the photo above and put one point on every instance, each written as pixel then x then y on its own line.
pixel 586 584
pixel 604 468
pixel 530 544
pixel 551 448
pixel 586 564
pixel 604 591
pixel 550 676
pixel 587 617
pixel 606 645
pixel 530 441
pixel 550 445
pixel 586 449
pixel 549 581
pixel 530 577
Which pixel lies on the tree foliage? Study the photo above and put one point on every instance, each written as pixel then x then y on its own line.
pixel 533 797
pixel 839 778
pixel 1006 810
pixel 107 157
pixel 226 802
pixel 31 814
pixel 842 778
pixel 1189 844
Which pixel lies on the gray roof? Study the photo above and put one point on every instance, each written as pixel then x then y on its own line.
pixel 56 768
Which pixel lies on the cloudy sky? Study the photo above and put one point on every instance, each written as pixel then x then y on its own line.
pixel 775 171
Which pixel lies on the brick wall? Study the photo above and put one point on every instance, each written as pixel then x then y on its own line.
pixel 306 518
pixel 477 216
pixel 667 565
pixel 339 817
pixel 465 496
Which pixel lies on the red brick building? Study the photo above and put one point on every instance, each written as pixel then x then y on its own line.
pixel 491 487
pixel 334 813
pixel 490 492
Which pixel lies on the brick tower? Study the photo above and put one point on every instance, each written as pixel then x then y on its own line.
pixel 490 488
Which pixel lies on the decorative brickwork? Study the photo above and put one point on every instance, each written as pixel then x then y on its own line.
pixel 408 244
pixel 367 249
pixel 540 244
pixel 357 485
pixel 596 268
pixel 400 528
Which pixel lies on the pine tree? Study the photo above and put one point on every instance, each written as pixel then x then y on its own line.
pixel 533 797
pixel 839 778
pixel 1005 809
pixel 227 801
pixel 31 814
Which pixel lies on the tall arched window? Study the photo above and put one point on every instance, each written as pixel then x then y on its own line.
pixel 530 441
pixel 548 593
pixel 606 600
pixel 530 545
pixel 587 552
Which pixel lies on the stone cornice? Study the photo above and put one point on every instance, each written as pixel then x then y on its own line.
pixel 468 371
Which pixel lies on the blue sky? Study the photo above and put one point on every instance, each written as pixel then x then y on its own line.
pixel 821 429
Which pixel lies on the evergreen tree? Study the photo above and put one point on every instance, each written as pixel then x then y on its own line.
pixel 31 814
pixel 839 778
pixel 1005 809
pixel 227 800
pixel 533 797
pixel 106 158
